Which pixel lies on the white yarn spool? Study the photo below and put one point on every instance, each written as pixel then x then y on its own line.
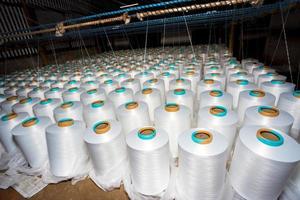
pixel 144 76
pixel 121 77
pixel 92 95
pixel 174 119
pixel 148 153
pixel 66 147
pixel 262 162
pixel 213 69
pixel 216 77
pixel 58 84
pixel 292 188
pixel 120 96
pixel 3 97
pixel 54 93
pixel 250 66
pixel 250 98
pixel 215 98
pixel 26 105
pixel 219 119
pixel 202 164
pixel 181 97
pixel 104 77
pixel 23 92
pixel 234 70
pixel 206 85
pixel 11 91
pixel 30 137
pixel 69 109
pixel 38 92
pixel 180 83
pixel 72 94
pixel 277 87
pixel 194 77
pixel 46 107
pixel 87 78
pixel 106 145
pixel 133 115
pixel 109 86
pixel 89 85
pixel 290 102
pixel 166 77
pixel 98 111
pixel 7 123
pixel 133 84
pixel 241 76
pixel 156 84
pixel 151 97
pixel 269 77
pixel 261 70
pixel 71 84
pixel 7 105
pixel 269 116
pixel 235 88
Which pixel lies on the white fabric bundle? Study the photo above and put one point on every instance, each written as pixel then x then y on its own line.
pixel 70 109
pixel 148 153
pixel 30 137
pixel 66 148
pixel 174 119
pixel 7 123
pixel 133 84
pixel 133 115
pixel 120 96
pixel 215 98
pixel 92 95
pixel 72 94
pixel 290 102
pixel 262 162
pixel 250 98
pixel 219 119
pixel 206 85
pixel 26 105
pixel 107 149
pixel 202 164
pixel 151 97
pixel 46 107
pixel 269 116
pixel 235 88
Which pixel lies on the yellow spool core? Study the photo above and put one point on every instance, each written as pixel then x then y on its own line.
pixel 65 123
pixel 131 105
pixel 268 111
pixel 12 98
pixel 102 127
pixel 209 81
pixel 172 107
pixel 147 91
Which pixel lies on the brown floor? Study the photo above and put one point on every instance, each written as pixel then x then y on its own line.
pixel 83 190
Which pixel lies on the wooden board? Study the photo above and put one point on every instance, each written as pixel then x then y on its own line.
pixel 83 190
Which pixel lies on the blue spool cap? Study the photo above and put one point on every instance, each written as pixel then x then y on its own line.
pixel 218 111
pixel 147 133
pixel 202 137
pixel 270 137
